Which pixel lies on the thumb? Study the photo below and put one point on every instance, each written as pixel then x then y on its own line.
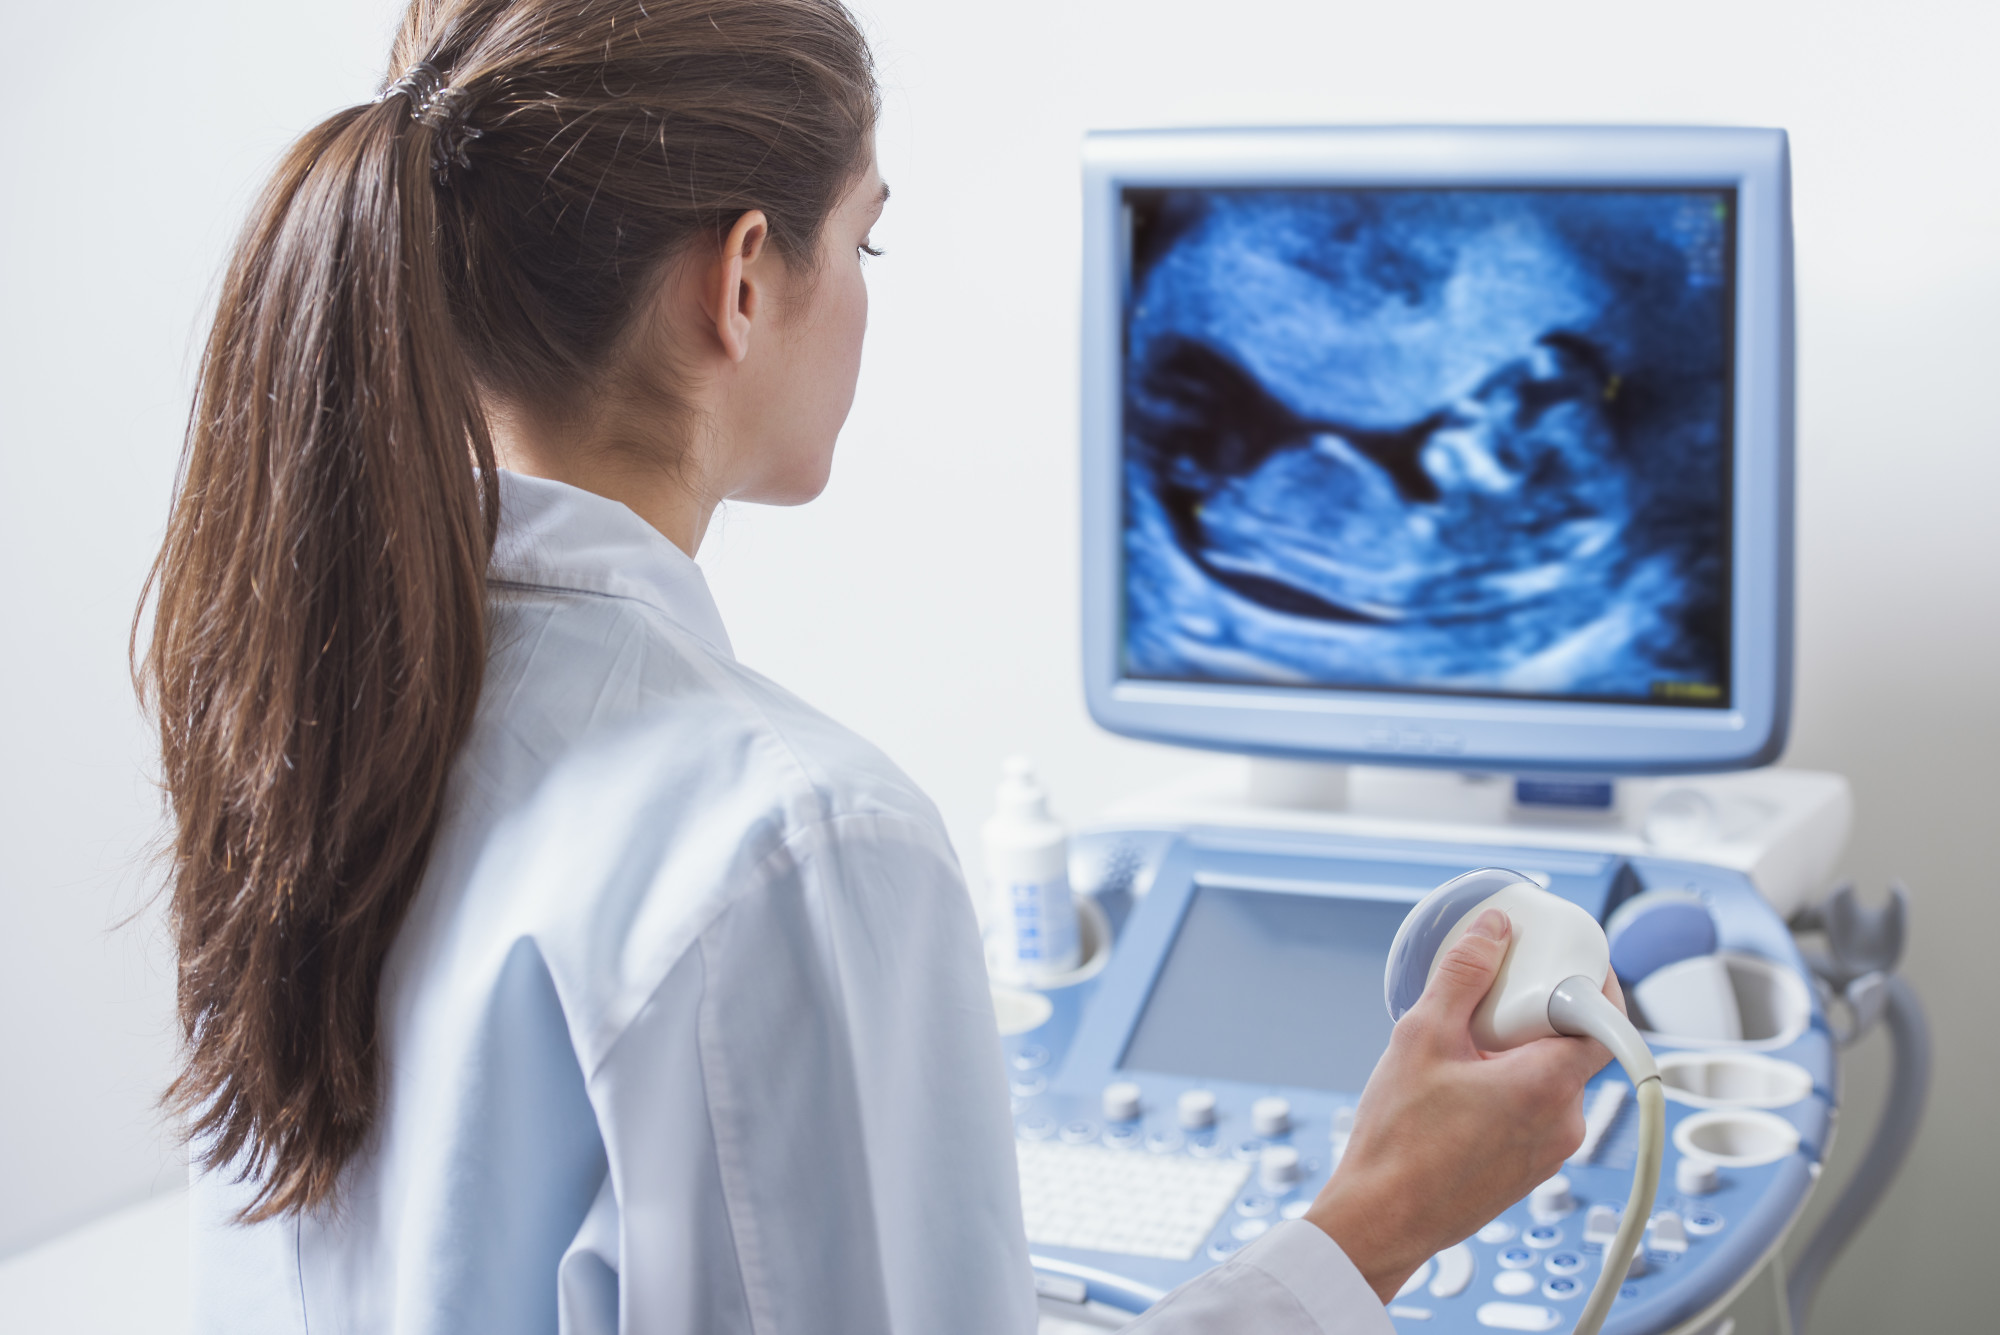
pixel 1466 972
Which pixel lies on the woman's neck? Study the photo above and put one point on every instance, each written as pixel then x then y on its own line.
pixel 584 455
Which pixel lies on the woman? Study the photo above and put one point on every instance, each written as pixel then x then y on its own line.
pixel 540 966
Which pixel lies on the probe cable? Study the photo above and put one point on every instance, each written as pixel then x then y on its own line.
pixel 1579 1007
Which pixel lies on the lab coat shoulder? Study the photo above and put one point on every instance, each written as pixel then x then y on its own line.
pixel 740 896
pixel 653 784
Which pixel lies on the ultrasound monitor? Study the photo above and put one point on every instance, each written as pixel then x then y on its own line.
pixel 1467 447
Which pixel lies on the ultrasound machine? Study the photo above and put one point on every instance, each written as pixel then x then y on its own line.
pixel 1444 476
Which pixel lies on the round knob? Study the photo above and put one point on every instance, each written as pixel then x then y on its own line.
pixel 1121 1101
pixel 1695 1177
pixel 1552 1199
pixel 1271 1116
pixel 1197 1109
pixel 1278 1169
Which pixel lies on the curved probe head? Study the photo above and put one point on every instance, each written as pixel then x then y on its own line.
pixel 1552 940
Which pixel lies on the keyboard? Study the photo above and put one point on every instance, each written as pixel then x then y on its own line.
pixel 1124 1201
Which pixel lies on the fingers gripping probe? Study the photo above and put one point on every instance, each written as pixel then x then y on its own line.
pixel 1550 982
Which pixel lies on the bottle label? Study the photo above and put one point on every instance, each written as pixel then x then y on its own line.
pixel 1042 918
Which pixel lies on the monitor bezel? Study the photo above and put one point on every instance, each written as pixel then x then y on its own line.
pixel 1466 732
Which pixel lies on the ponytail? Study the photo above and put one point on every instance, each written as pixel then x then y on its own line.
pixel 317 644
pixel 319 630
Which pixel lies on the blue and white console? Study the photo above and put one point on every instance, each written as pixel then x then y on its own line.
pixel 1464 454
pixel 1199 1087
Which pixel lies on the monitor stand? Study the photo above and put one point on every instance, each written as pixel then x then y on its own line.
pixel 1783 828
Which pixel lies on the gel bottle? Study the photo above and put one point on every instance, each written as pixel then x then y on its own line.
pixel 1027 873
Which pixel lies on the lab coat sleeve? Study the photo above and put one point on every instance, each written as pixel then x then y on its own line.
pixel 809 1126
pixel 1295 1280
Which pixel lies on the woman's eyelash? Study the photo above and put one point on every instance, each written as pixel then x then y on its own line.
pixel 871 251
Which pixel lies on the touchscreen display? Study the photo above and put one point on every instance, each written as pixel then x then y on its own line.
pixel 1271 989
pixel 1449 440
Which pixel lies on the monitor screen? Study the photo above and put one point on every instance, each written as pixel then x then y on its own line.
pixel 1271 989
pixel 1460 441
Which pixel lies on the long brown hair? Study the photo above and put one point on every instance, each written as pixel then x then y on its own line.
pixel 488 227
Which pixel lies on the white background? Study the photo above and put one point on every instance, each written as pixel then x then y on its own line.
pixel 929 599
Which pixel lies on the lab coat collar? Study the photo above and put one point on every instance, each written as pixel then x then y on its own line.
pixel 555 536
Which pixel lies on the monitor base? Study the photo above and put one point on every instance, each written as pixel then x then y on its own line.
pixel 1783 828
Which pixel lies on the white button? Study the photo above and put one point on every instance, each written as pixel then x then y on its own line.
pixel 1600 1226
pixel 1416 1281
pixel 1514 1283
pixel 1402 1313
pixel 1598 1116
pixel 1695 1177
pixel 1249 1230
pixel 1516 1316
pixel 1271 1116
pixel 1497 1232
pixel 1341 1131
pixel 1296 1209
pixel 1640 1265
pixel 1278 1169
pixel 1551 1200
pixel 1455 1267
pixel 1667 1233
pixel 1061 1288
pixel 1121 1101
pixel 1031 1058
pixel 1197 1108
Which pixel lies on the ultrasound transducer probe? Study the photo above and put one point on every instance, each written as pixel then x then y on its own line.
pixel 1550 982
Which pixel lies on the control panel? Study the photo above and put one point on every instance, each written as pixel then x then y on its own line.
pixel 1201 1086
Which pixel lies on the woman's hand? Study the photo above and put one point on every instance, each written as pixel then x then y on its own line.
pixel 1447 1136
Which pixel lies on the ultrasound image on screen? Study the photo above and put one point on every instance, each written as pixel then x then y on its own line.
pixel 1444 440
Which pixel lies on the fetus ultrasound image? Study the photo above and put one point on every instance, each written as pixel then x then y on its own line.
pixel 1446 440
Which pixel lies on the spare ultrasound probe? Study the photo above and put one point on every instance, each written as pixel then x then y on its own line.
pixel 1551 981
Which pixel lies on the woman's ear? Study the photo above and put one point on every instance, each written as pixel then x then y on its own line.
pixel 740 287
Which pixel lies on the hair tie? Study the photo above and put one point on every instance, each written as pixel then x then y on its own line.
pixel 421 83
pixel 436 104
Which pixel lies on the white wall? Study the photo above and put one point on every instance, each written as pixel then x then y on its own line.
pixel 928 598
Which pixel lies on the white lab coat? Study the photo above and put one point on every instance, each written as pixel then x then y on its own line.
pixel 688 1028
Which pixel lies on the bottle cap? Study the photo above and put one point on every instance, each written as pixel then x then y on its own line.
pixel 1021 793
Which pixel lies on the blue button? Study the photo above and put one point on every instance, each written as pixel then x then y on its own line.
pixel 1122 1137
pixel 1223 1248
pixel 1205 1145
pixel 1517 1258
pixel 1164 1142
pixel 1027 1086
pixel 1547 1235
pixel 1078 1133
pixel 1560 1288
pixel 1629 1291
pixel 1248 1150
pixel 1031 1057
pixel 1564 1263
pixel 1037 1127
pixel 1703 1222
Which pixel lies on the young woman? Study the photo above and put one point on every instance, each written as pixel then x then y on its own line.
pixel 541 967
